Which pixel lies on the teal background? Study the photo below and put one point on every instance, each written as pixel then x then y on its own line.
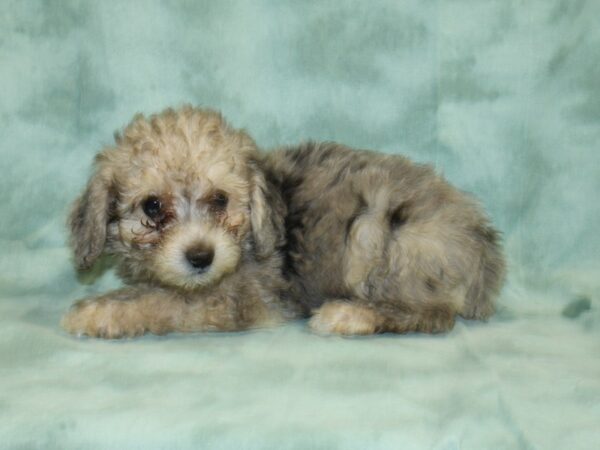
pixel 502 96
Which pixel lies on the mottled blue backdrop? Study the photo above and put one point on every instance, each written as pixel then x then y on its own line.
pixel 502 96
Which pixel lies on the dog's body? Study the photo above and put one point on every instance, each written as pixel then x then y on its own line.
pixel 381 243
pixel 212 235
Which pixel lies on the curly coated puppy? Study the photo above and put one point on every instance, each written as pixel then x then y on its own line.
pixel 210 234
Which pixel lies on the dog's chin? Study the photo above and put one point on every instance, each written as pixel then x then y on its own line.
pixel 191 281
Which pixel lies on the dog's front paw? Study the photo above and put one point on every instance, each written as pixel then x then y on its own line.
pixel 344 318
pixel 102 318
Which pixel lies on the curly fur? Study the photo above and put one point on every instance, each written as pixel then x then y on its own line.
pixel 365 242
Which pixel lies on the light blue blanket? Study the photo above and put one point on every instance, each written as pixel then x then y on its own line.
pixel 502 96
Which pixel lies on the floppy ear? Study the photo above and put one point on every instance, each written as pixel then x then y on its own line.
pixel 89 218
pixel 267 213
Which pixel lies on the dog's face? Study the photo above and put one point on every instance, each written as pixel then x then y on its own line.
pixel 179 197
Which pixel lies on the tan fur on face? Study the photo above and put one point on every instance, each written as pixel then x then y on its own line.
pixel 169 262
pixel 182 158
pixel 370 242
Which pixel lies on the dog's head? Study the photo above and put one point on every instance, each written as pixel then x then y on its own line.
pixel 180 198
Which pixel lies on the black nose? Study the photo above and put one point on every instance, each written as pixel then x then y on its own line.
pixel 199 257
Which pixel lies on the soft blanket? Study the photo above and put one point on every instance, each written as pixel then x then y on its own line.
pixel 502 96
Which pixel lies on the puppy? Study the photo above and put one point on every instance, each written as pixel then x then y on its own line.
pixel 212 235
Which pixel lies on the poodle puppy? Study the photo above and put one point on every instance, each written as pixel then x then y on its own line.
pixel 210 234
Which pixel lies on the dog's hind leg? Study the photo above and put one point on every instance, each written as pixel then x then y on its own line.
pixel 346 318
pixel 433 318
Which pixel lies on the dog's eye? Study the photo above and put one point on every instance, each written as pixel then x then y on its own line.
pixel 151 207
pixel 219 201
